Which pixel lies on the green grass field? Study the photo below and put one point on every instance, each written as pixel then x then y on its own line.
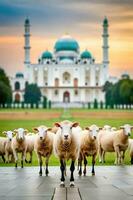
pixel 29 124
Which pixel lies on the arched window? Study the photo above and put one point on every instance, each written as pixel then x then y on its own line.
pixel 66 77
pixel 56 82
pixel 17 85
pixel 75 82
pixel 17 97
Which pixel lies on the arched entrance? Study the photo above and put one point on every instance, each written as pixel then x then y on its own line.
pixel 17 97
pixel 66 97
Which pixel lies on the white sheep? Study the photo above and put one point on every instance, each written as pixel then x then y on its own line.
pixel 8 148
pixel 43 146
pixel 19 145
pixel 115 141
pixel 106 128
pixel 2 147
pixel 130 148
pixel 88 147
pixel 67 146
pixel 30 139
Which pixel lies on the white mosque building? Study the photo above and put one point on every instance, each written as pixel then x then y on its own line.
pixel 66 74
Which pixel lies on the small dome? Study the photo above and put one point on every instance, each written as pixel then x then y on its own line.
pixel 66 43
pixel 47 55
pixel 86 55
pixel 19 75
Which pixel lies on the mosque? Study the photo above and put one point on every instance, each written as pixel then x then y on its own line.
pixel 65 75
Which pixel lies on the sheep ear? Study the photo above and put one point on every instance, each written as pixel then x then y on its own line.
pixel 26 131
pixel 35 129
pixel 15 131
pixel 87 128
pixel 121 127
pixel 4 132
pixel 75 124
pixel 57 124
pixel 49 129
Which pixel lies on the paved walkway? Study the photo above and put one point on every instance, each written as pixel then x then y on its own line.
pixel 110 182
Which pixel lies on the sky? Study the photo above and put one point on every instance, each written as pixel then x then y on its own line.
pixel 82 19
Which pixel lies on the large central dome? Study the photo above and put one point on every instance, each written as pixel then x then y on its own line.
pixel 66 43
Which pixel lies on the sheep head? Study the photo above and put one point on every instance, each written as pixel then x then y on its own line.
pixel 42 131
pixel 107 128
pixel 65 128
pixel 127 129
pixel 93 131
pixel 20 133
pixel 9 134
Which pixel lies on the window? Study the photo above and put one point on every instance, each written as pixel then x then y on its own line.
pixel 66 77
pixel 56 82
pixel 75 82
pixel 76 92
pixel 56 92
pixel 17 85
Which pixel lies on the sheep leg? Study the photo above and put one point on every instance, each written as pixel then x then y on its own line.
pixel 85 163
pixel 7 156
pixel 40 164
pixel 118 155
pixel 122 157
pixel 3 158
pixel 72 168
pixel 16 158
pixel 65 168
pixel 30 157
pixel 46 162
pixel 62 168
pixel 100 153
pixel 80 164
pixel 132 160
pixel 103 156
pixel 93 164
pixel 22 160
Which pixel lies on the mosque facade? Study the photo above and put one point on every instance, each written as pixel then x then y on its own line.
pixel 65 75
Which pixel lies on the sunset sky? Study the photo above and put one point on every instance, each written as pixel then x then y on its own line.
pixel 82 19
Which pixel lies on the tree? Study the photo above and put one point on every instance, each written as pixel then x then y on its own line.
pixel 32 94
pixel 5 88
pixel 125 91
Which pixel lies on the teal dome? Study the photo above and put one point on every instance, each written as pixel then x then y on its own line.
pixel 47 55
pixel 86 55
pixel 19 75
pixel 66 43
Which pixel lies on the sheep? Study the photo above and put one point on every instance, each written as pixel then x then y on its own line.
pixel 19 145
pixel 130 148
pixel 67 146
pixel 30 138
pixel 2 147
pixel 43 145
pixel 8 149
pixel 115 141
pixel 106 128
pixel 113 129
pixel 88 147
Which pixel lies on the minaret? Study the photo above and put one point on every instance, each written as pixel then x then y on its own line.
pixel 27 41
pixel 105 45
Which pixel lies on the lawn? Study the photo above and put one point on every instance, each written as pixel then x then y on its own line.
pixel 68 114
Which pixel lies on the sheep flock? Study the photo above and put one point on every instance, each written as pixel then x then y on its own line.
pixel 68 141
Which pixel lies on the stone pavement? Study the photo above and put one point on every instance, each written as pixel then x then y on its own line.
pixel 109 183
